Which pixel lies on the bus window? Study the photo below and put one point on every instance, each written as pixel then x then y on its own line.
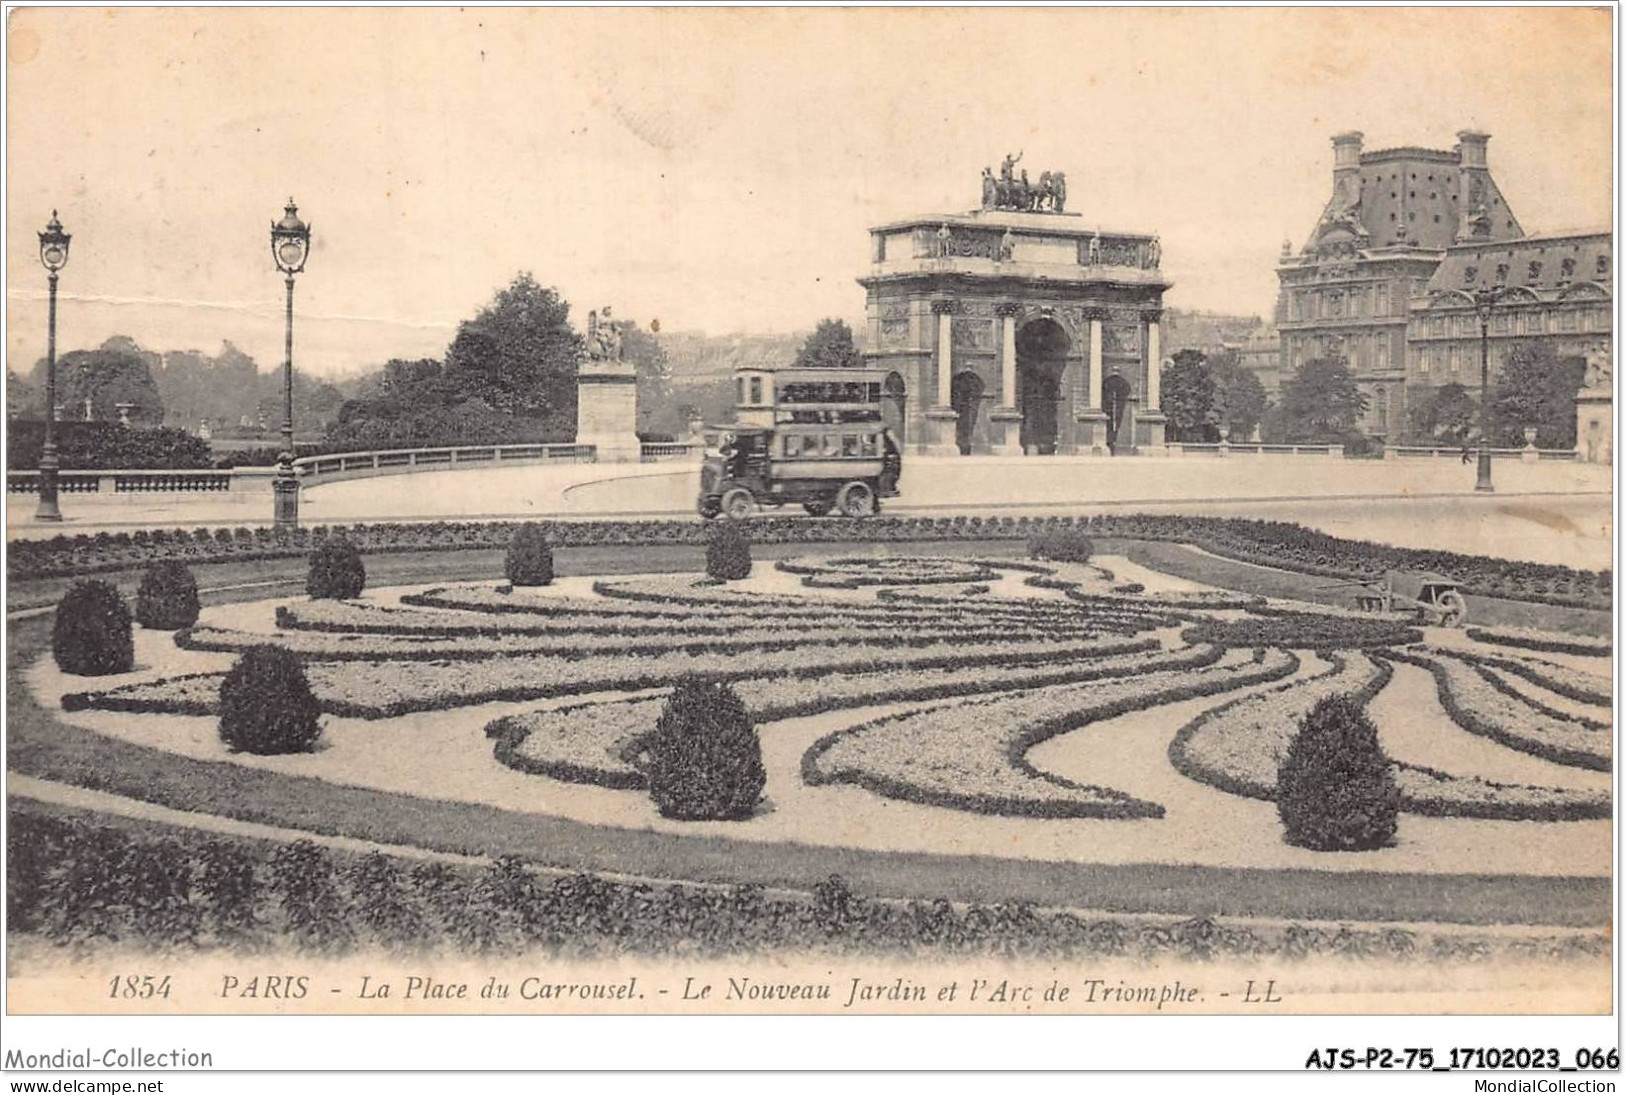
pixel 755 390
pixel 832 444
pixel 792 444
pixel 849 444
pixel 871 444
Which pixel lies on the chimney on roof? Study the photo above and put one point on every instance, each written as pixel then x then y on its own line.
pixel 1473 147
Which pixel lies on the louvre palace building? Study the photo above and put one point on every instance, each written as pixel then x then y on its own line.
pixel 1386 276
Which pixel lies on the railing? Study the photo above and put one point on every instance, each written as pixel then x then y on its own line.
pixel 136 482
pixel 656 451
pixel 1412 452
pixel 1249 448
pixel 356 465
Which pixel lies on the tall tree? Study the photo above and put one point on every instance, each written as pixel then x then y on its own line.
pixel 118 371
pixel 519 355
pixel 1322 403
pixel 1447 414
pixel 830 346
pixel 657 413
pixel 1189 398
pixel 1536 388
pixel 1239 395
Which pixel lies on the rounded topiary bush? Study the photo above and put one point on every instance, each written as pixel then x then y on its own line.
pixel 91 635
pixel 266 705
pixel 530 557
pixel 167 597
pixel 727 552
pixel 1335 790
pixel 704 758
pixel 1061 545
pixel 336 571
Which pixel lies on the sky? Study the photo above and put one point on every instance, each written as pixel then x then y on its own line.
pixel 714 169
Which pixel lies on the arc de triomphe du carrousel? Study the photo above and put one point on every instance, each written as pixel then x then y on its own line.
pixel 1018 327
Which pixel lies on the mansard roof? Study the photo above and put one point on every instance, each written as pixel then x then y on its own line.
pixel 1551 266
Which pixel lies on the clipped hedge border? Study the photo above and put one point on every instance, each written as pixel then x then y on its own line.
pixel 1274 543
pixel 1550 646
pixel 1188 766
pixel 1016 751
pixel 509 735
pixel 111 700
pixel 1473 725
pixel 1531 673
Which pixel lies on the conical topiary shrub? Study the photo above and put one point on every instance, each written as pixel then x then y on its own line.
pixel 727 552
pixel 266 705
pixel 530 557
pixel 336 572
pixel 704 758
pixel 91 634
pixel 167 597
pixel 1335 790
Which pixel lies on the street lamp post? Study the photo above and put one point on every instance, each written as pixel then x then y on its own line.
pixel 1484 300
pixel 290 246
pixel 53 253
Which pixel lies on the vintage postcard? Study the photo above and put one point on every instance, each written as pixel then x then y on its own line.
pixel 833 511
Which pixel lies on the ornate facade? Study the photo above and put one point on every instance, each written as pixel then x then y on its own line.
pixel 1383 277
pixel 1017 332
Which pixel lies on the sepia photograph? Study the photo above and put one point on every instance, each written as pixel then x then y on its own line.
pixel 819 512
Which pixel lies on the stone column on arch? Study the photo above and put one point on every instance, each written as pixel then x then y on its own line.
pixel 1006 417
pixel 1152 417
pixel 941 417
pixel 1091 418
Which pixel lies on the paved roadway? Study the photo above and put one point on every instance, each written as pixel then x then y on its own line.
pixel 1549 512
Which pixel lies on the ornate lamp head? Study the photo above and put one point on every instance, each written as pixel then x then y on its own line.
pixel 53 245
pixel 290 241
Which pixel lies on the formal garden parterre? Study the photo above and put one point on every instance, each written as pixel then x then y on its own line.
pixel 986 698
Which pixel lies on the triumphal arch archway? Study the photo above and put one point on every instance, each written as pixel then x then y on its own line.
pixel 1005 326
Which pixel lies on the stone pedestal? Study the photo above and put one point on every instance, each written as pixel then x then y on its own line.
pixel 940 426
pixel 1006 432
pixel 1153 426
pixel 607 410
pixel 1092 433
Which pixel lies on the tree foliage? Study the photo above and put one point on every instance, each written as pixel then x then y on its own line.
pixel 118 371
pixel 519 355
pixel 509 377
pixel 1445 415
pixel 1190 398
pixel 1321 403
pixel 1241 396
pixel 830 346
pixel 1536 387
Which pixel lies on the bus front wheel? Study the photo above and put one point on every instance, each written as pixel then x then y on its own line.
pixel 738 504
pixel 856 500
pixel 819 506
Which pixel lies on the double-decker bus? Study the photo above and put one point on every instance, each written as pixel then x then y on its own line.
pixel 808 437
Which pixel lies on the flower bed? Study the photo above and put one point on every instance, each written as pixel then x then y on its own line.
pixel 1552 642
pixel 683 599
pixel 374 689
pixel 859 571
pixel 1478 707
pixel 597 742
pixel 1272 543
pixel 1269 543
pixel 1303 631
pixel 972 756
pixel 1576 684
pixel 1237 747
pixel 338 647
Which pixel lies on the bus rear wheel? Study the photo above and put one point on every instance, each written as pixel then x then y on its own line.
pixel 710 508
pixel 738 504
pixel 856 500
